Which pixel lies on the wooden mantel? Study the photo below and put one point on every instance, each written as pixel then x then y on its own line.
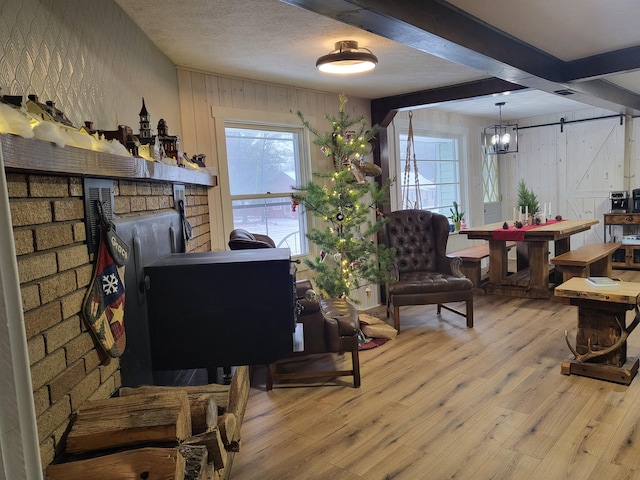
pixel 30 155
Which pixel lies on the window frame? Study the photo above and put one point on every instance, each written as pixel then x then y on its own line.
pixel 238 118
pixel 490 164
pixel 400 127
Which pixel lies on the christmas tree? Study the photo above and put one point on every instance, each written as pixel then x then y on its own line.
pixel 344 201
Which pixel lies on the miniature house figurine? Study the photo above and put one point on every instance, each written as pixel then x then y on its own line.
pixel 47 111
pixel 144 135
pixel 125 136
pixel 169 142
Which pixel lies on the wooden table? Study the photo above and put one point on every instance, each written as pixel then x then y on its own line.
pixel 601 341
pixel 531 280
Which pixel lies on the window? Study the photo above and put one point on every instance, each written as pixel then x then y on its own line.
pixel 490 177
pixel 438 161
pixel 264 163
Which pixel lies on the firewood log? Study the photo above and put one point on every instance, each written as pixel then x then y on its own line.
pixel 215 448
pixel 203 405
pixel 122 421
pixel 156 463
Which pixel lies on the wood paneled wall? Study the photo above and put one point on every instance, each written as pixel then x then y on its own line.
pixel 200 93
pixel 575 167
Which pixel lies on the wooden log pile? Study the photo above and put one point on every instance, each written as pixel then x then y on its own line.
pixel 168 433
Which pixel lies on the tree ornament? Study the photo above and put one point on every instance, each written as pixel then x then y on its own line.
pixel 343 101
pixel 311 295
pixel 345 207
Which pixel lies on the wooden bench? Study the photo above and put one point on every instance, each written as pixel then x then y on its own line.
pixel 471 258
pixel 592 259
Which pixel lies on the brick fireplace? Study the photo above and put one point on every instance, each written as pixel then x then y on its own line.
pixel 45 187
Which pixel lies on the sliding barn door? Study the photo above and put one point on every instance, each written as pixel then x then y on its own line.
pixel 594 166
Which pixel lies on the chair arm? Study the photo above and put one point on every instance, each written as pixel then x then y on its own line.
pixel 341 322
pixel 450 265
pixel 302 286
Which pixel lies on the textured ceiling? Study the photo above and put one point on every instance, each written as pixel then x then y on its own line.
pixel 271 41
pixel 276 42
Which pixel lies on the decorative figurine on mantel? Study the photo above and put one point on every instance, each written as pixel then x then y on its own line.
pixel 145 135
pixel 169 142
pixel 124 134
pixel 47 111
pixel 160 147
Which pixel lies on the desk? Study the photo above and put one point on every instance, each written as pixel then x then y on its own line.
pixel 532 278
pixel 601 341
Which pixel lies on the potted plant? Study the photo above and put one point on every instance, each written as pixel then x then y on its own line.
pixel 527 200
pixel 456 216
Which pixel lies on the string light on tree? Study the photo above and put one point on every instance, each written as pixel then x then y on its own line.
pixel 344 200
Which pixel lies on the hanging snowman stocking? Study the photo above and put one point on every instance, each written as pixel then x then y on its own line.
pixel 103 306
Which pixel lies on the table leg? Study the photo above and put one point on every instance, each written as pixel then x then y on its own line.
pixel 522 255
pixel 539 265
pixel 560 246
pixel 597 330
pixel 498 262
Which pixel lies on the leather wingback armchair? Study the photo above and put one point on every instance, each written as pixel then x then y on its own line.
pixel 328 325
pixel 240 239
pixel 423 274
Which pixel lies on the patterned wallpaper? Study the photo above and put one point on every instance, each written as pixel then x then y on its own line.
pixel 89 58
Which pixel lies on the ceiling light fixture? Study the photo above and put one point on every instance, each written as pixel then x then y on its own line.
pixel 501 138
pixel 347 58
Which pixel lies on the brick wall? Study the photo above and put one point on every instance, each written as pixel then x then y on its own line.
pixel 55 268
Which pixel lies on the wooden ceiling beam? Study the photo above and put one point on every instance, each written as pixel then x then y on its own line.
pixel 440 29
pixel 384 109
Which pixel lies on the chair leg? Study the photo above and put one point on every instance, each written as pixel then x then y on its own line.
pixel 271 371
pixel 396 318
pixel 439 310
pixel 355 360
pixel 470 313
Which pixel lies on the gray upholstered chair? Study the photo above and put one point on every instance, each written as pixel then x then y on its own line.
pixel 423 272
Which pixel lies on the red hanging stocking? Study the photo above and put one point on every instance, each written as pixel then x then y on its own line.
pixel 103 306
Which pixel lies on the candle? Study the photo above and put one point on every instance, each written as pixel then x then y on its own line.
pixel 514 215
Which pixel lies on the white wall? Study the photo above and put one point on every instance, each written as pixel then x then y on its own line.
pixel 206 98
pixel 90 59
pixel 575 168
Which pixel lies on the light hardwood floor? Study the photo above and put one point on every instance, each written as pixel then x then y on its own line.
pixel 443 401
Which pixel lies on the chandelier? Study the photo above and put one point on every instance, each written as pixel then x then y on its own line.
pixel 501 138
